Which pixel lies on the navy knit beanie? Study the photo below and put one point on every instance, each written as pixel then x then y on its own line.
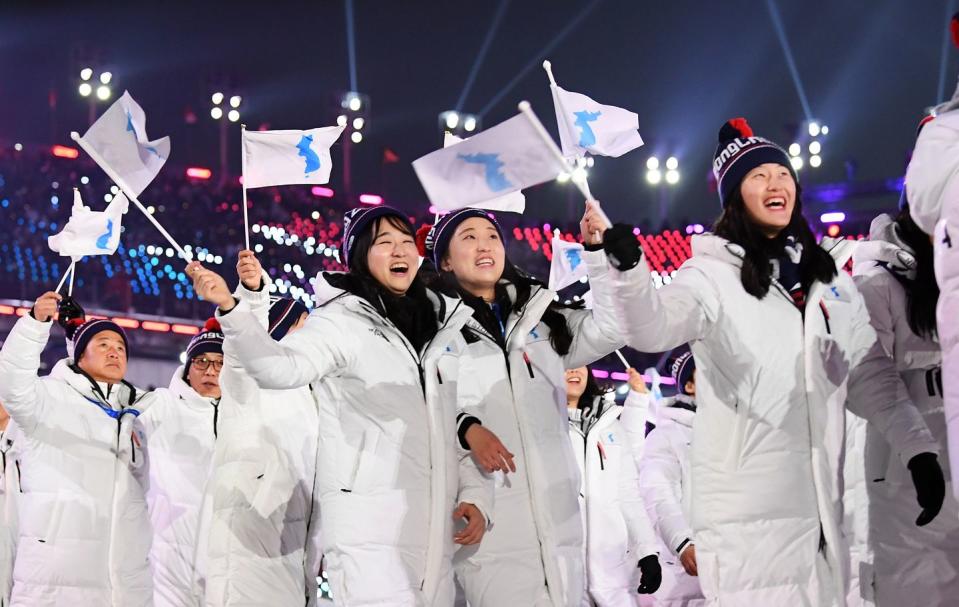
pixel 356 220
pixel 209 340
pixel 682 370
pixel 438 239
pixel 85 332
pixel 738 152
pixel 283 315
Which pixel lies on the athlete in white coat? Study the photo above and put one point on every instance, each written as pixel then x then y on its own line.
pixel 664 479
pixel 265 529
pixel 620 542
pixel 932 187
pixel 780 336
pixel 913 565
pixel 84 530
pixel 519 344
pixel 384 351
pixel 9 487
pixel 179 434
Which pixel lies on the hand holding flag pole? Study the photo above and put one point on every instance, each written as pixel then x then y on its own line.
pixel 121 183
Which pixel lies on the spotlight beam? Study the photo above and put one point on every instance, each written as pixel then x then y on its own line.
pixel 790 62
pixel 351 44
pixel 537 60
pixel 484 48
pixel 944 55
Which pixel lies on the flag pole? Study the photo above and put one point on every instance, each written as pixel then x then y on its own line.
pixel 583 186
pixel 121 183
pixel 549 71
pixel 73 273
pixel 246 217
pixel 63 278
pixel 619 353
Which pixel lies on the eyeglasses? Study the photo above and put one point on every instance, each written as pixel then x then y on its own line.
pixel 204 363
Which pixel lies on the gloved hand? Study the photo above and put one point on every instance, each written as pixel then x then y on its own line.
pixel 621 247
pixel 930 485
pixel 651 572
pixel 70 315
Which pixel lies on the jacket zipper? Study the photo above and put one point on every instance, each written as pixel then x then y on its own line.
pixel 529 365
pixel 216 416
pixel 19 475
pixel 825 315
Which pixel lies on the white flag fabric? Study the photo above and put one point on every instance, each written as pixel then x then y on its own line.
pixel 288 157
pixel 513 203
pixel 587 126
pixel 567 265
pixel 503 159
pixel 120 137
pixel 90 232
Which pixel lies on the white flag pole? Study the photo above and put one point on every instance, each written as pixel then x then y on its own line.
pixel 73 273
pixel 97 158
pixel 622 358
pixel 527 111
pixel 246 217
pixel 63 278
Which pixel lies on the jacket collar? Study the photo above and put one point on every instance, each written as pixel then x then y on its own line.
pixel 886 249
pixel 187 394
pixel 116 396
pixel 717 247
pixel 677 412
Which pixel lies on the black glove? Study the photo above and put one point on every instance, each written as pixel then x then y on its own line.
pixel 621 247
pixel 70 315
pixel 651 572
pixel 930 485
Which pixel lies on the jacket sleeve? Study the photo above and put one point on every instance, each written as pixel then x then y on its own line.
pixel 475 487
pixel 259 301
pixel 932 176
pixel 23 394
pixel 876 391
pixel 316 350
pixel 633 420
pixel 660 481
pixel 595 332
pixel 657 320
pixel 240 388
pixel 638 524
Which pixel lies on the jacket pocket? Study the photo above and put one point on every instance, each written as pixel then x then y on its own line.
pixel 361 468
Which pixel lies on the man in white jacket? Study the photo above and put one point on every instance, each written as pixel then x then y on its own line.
pixel 84 531
pixel 664 484
pixel 8 506
pixel 179 433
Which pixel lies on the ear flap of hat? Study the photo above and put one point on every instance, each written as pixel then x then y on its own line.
pixel 733 129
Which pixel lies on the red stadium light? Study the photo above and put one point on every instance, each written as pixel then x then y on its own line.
pixel 8 310
pixel 127 323
pixel 23 311
pixel 62 151
pixel 152 325
pixel 185 330
pixel 370 199
pixel 199 173
pixel 322 192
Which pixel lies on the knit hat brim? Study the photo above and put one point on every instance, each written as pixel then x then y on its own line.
pixel 438 239
pixel 355 222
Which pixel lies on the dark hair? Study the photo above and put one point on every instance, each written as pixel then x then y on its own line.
pixel 560 337
pixel 592 391
pixel 923 294
pixel 413 313
pixel 736 226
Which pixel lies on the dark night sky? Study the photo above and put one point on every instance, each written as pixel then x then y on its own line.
pixel 683 66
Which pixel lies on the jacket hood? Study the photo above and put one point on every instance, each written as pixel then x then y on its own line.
pixel 886 249
pixel 120 395
pixel 717 247
pixel 677 411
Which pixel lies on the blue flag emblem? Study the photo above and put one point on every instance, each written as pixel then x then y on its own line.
pixel 132 129
pixel 103 240
pixel 573 257
pixel 586 135
pixel 495 179
pixel 309 156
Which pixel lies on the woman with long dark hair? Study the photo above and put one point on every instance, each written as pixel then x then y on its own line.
pixel 519 343
pixel 781 336
pixel 912 565
pixel 381 353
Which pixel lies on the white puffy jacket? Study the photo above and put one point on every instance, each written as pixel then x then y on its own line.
pixel 9 490
pixel 264 527
pixel 520 395
pixel 391 474
pixel 913 565
pixel 932 188
pixel 664 481
pixel 84 530
pixel 618 532
pixel 179 430
pixel 771 386
pixel 639 408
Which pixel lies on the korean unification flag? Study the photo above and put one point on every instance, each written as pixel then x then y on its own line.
pixel 567 265
pixel 513 203
pixel 90 232
pixel 120 137
pixel 587 126
pixel 499 161
pixel 288 157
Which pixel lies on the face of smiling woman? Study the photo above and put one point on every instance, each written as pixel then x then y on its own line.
pixel 575 384
pixel 769 195
pixel 392 258
pixel 476 257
